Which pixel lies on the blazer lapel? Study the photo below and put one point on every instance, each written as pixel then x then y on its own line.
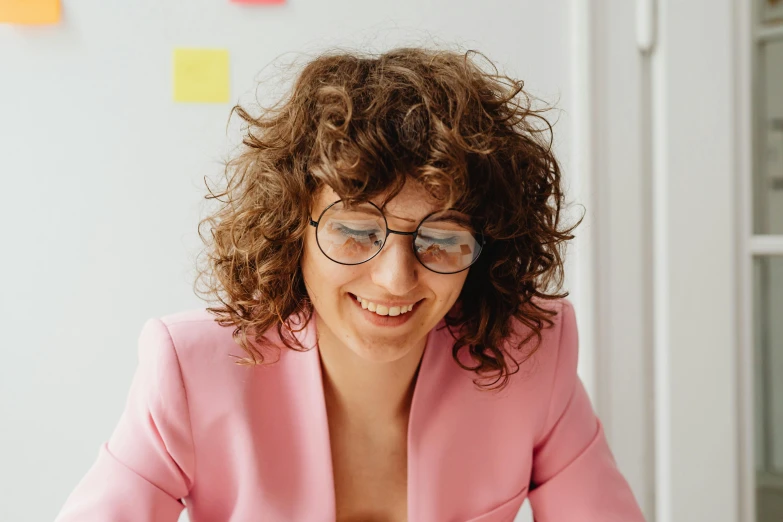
pixel 467 452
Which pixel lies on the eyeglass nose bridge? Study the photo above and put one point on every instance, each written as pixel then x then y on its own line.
pixel 400 233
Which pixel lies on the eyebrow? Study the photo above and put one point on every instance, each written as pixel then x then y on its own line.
pixel 407 220
pixel 449 215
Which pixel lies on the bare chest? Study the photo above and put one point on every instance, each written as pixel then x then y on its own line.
pixel 370 475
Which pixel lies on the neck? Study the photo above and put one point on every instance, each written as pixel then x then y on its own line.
pixel 363 391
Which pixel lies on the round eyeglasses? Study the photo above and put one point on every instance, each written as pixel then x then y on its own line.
pixel 444 242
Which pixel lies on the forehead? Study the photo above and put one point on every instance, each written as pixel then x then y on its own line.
pixel 413 202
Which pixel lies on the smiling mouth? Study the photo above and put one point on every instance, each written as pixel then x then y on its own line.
pixel 383 310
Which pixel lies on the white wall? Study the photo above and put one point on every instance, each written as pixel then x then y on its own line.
pixel 102 179
pixel 695 176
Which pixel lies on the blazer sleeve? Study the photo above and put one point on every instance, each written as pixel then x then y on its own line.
pixel 575 477
pixel 147 465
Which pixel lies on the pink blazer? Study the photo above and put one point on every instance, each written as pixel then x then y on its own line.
pixel 240 444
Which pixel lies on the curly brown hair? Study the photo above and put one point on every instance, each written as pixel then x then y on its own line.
pixel 365 125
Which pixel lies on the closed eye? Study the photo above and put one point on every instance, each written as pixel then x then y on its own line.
pixel 355 233
pixel 452 240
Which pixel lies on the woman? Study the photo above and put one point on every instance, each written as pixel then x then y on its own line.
pixel 388 346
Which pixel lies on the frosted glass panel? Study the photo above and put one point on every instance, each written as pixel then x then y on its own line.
pixel 768 351
pixel 768 171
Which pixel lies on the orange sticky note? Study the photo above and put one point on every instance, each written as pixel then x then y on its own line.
pixel 201 75
pixel 29 12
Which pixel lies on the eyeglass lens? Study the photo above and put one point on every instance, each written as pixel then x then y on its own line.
pixel 445 242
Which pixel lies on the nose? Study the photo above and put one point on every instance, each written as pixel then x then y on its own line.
pixel 395 268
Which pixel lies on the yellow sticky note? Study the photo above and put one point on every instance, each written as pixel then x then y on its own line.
pixel 201 75
pixel 29 12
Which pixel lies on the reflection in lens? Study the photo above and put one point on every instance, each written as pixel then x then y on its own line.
pixel 445 244
pixel 351 236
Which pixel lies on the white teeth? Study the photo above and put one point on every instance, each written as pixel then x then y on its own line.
pixel 383 310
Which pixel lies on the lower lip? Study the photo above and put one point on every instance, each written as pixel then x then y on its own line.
pixel 383 320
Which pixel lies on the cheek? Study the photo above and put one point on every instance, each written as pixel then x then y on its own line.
pixel 446 287
pixel 323 278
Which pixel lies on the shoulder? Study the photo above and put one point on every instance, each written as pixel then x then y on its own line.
pixel 532 361
pixel 561 337
pixel 561 307
pixel 559 326
pixel 197 341
pixel 196 319
pixel 558 335
pixel 558 353
pixel 546 367
pixel 187 330
pixel 192 349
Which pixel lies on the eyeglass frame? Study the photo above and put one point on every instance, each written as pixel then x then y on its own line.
pixel 314 224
